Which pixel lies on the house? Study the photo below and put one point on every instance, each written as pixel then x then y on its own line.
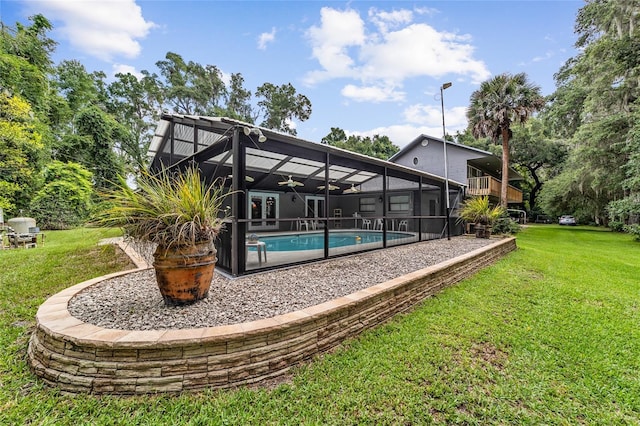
pixel 305 201
pixel 480 170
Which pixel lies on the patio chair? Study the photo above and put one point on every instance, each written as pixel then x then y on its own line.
pixel 302 223
pixel 366 223
pixel 378 225
pixel 403 224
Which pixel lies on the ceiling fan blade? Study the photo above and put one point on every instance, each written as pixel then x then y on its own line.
pixel 331 187
pixel 247 178
pixel 352 190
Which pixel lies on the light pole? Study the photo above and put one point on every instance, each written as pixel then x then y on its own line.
pixel 444 144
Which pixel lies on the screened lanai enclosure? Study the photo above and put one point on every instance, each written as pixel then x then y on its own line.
pixel 293 201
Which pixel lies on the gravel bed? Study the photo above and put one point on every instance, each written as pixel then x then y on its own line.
pixel 133 302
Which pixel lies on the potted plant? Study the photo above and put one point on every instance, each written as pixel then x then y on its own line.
pixel 180 214
pixel 478 211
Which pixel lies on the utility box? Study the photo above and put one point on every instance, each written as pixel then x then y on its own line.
pixel 21 225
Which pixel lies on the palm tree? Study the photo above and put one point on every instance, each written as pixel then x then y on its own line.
pixel 501 101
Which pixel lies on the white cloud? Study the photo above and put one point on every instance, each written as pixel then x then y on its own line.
pixel 265 38
pixel 372 93
pixel 226 78
pixel 125 69
pixel 420 50
pixel 389 51
pixel 546 56
pixel 399 134
pixel 455 118
pixel 338 31
pixel 105 29
pixel 541 58
pixel 419 119
pixel 426 11
pixel 385 20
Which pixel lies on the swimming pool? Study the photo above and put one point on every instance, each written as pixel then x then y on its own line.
pixel 315 240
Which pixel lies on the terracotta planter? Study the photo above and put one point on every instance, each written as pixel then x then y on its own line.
pixel 184 273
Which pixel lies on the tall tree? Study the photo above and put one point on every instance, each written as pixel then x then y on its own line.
pixel 538 154
pixel 191 88
pixel 21 152
pixel 239 100
pixel 377 146
pixel 102 133
pixel 79 87
pixel 25 61
pixel 336 136
pixel 280 105
pixel 596 101
pixel 136 103
pixel 501 101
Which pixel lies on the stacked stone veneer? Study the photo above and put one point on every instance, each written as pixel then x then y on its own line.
pixel 80 357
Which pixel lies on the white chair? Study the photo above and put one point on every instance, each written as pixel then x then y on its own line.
pixel 302 223
pixel 366 223
pixel 403 224
pixel 378 225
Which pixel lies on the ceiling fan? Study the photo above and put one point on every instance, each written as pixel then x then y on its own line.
pixel 290 182
pixel 351 190
pixel 332 187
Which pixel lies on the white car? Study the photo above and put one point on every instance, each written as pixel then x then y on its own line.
pixel 567 220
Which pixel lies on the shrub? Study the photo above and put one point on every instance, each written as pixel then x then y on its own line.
pixel 505 225
pixel 633 230
pixel 616 226
pixel 65 201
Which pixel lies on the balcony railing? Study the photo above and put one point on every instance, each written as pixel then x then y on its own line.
pixel 488 185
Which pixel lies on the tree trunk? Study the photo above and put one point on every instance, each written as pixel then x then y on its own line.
pixel 505 167
pixel 533 194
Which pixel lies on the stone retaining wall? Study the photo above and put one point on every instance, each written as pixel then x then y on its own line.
pixel 79 357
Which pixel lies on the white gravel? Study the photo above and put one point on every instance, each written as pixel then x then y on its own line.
pixel 133 302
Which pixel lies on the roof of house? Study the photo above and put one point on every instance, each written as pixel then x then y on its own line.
pixel 422 137
pixel 484 160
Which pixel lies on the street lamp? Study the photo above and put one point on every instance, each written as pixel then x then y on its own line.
pixel 444 143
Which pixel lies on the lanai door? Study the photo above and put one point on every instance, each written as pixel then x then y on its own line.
pixel 315 206
pixel 264 210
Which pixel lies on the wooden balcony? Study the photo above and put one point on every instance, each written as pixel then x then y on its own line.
pixel 487 185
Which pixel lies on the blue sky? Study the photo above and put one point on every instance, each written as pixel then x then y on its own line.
pixel 368 67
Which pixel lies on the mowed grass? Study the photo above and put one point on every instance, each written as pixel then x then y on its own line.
pixel 548 335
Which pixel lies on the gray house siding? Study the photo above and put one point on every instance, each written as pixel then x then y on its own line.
pixel 430 158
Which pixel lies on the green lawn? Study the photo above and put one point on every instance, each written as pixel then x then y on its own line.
pixel 549 335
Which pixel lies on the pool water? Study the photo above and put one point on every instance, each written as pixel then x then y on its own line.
pixel 315 241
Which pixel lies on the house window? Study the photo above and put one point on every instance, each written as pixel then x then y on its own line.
pixel 368 204
pixel 399 203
